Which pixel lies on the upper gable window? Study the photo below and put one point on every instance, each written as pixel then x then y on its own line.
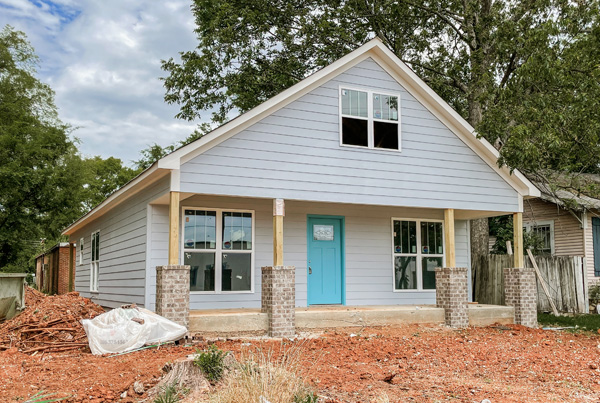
pixel 369 119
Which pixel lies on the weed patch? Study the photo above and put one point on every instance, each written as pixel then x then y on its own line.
pixel 260 377
pixel 585 322
pixel 211 363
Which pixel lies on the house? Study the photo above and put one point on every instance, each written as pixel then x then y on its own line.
pixel 55 269
pixel 359 180
pixel 573 231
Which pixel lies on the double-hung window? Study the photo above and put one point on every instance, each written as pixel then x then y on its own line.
pixel 544 231
pixel 218 246
pixel 369 119
pixel 80 247
pixel 418 250
pixel 95 261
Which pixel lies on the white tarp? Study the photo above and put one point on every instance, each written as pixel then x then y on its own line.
pixel 120 330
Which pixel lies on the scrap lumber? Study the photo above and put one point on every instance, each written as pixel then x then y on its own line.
pixel 542 282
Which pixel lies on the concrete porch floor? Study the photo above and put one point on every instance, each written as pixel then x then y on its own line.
pixel 331 316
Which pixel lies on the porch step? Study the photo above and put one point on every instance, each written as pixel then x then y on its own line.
pixel 230 321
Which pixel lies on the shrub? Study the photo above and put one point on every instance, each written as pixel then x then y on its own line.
pixel 211 363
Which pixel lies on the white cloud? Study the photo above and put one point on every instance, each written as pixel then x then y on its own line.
pixel 103 60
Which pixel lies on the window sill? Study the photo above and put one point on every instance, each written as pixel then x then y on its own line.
pixel 409 291
pixel 220 293
pixel 385 150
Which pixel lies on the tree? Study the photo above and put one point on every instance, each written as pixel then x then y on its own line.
pixel 484 57
pixel 44 183
pixel 101 177
pixel 154 152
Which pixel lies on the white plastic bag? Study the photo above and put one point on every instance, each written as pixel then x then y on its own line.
pixel 116 332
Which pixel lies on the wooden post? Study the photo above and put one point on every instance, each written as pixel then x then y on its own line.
pixel 71 265
pixel 174 228
pixel 278 213
pixel 449 237
pixel 518 240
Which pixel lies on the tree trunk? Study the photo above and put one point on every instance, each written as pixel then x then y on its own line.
pixel 480 238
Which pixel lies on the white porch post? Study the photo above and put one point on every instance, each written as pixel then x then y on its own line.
pixel 278 213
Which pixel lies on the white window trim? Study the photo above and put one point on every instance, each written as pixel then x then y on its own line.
pixel 370 119
pixel 219 248
pixel 529 226
pixel 80 250
pixel 94 264
pixel 419 255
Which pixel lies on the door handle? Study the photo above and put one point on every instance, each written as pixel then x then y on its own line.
pixel 309 270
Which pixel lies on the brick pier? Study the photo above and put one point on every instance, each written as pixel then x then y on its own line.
pixel 279 299
pixel 520 292
pixel 173 293
pixel 452 293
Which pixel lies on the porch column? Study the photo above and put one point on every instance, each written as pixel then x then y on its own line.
pixel 449 237
pixel 451 282
pixel 278 213
pixel 278 298
pixel 518 240
pixel 174 228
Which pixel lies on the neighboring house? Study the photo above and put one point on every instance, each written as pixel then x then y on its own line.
pixel 566 232
pixel 379 177
pixel 55 269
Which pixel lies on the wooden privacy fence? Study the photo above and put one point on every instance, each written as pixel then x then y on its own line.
pixel 564 275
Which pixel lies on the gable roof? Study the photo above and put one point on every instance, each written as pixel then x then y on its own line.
pixel 400 72
pixel 374 49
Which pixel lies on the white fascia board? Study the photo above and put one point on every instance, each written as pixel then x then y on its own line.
pixel 129 189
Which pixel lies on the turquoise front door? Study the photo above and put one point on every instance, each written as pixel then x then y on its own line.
pixel 325 260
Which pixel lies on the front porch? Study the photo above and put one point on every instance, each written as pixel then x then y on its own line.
pixel 345 265
pixel 235 321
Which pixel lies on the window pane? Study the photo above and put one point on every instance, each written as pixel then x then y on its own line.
pixel 406 273
pixel 237 231
pixel 200 229
pixel 237 272
pixel 385 107
pixel 431 238
pixel 385 135
pixel 355 132
pixel 428 265
pixel 544 233
pixel 354 103
pixel 405 237
pixel 202 270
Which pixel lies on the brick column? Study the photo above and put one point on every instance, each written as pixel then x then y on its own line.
pixel 452 291
pixel 173 293
pixel 520 292
pixel 278 299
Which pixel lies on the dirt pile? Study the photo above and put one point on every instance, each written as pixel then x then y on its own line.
pixel 49 323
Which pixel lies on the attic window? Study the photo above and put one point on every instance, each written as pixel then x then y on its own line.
pixel 369 119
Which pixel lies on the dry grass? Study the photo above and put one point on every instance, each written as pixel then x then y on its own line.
pixel 260 377
pixel 382 398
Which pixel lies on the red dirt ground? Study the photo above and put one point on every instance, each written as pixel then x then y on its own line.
pixel 412 363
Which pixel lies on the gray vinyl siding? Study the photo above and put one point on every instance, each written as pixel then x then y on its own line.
pixel 122 273
pixel 368 240
pixel 295 154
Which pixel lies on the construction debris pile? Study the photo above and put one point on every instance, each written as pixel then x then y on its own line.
pixel 49 323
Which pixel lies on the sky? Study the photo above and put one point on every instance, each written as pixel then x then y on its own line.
pixel 102 59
